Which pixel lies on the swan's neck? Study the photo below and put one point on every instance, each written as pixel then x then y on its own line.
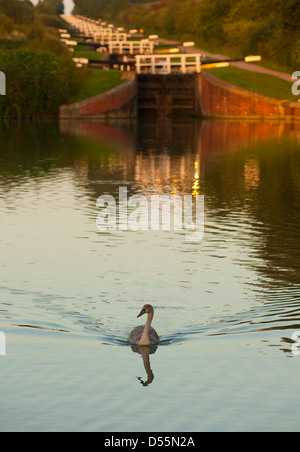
pixel 145 336
pixel 145 351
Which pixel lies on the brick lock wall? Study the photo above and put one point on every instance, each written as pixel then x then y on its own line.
pixel 221 99
pixel 118 102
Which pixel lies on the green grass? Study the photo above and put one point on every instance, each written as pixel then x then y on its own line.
pixel 265 84
pixel 96 81
pixel 89 54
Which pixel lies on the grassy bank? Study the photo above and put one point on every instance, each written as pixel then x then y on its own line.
pixel 264 84
pixel 96 82
pixel 90 54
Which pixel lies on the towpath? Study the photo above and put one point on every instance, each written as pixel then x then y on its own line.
pixel 246 66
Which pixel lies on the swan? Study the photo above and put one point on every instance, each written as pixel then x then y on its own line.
pixel 144 334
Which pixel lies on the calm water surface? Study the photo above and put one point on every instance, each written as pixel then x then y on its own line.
pixel 225 308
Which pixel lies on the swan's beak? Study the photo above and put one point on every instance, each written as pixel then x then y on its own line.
pixel 141 313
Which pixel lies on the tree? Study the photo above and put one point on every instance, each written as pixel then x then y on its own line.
pixel 51 7
pixel 19 11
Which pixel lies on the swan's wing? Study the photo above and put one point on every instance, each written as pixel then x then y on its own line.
pixel 136 334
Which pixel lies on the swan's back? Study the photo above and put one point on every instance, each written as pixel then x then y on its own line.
pixel 136 334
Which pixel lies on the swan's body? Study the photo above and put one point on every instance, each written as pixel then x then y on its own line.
pixel 144 334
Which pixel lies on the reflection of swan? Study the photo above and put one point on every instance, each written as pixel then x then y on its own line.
pixel 144 335
pixel 145 352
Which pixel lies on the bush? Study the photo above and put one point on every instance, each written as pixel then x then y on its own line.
pixel 37 83
pixel 248 33
pixel 50 20
pixel 6 25
pixel 40 37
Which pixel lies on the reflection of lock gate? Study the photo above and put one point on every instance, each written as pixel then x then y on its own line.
pixel 2 344
pixel 2 84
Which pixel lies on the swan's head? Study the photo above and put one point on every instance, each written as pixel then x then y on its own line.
pixel 147 309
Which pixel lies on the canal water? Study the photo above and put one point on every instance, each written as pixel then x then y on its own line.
pixel 227 306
